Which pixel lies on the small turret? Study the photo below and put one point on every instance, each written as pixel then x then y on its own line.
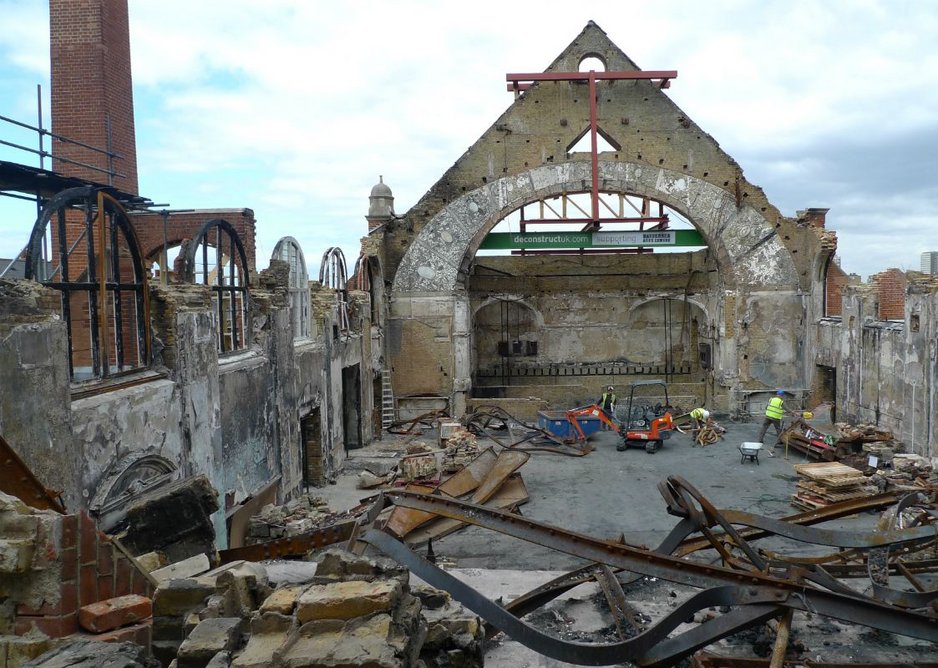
pixel 380 205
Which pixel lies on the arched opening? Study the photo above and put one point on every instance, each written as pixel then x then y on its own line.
pixel 670 335
pixel 505 337
pixel 84 246
pixel 334 276
pixel 289 251
pixel 216 258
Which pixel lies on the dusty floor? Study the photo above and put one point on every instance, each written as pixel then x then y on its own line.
pixel 608 493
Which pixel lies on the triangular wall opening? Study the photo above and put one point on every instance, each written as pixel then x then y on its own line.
pixel 604 142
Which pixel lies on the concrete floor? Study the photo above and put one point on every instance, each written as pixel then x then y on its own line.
pixel 607 493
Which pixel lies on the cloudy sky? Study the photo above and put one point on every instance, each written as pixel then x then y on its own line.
pixel 294 107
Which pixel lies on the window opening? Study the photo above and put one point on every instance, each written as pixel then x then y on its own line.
pixel 333 275
pixel 288 249
pixel 216 258
pixel 84 246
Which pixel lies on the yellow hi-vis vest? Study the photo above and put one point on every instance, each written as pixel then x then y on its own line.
pixel 774 410
pixel 612 399
pixel 697 414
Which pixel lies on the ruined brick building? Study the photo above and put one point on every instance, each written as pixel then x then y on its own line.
pixel 130 373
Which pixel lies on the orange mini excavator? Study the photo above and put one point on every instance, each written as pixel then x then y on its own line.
pixel 645 425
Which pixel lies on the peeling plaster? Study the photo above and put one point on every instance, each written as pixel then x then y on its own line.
pixel 742 239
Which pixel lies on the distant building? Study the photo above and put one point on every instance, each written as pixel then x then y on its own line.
pixel 930 262
pixel 12 268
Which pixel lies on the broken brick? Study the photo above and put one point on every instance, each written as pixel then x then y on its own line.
pixel 114 613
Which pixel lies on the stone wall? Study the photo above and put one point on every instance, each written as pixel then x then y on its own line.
pixel 234 418
pixel 754 274
pixel 886 372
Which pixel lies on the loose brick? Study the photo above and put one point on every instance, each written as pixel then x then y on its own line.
pixel 114 613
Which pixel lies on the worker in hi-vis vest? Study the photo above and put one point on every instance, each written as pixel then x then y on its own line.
pixel 699 416
pixel 608 401
pixel 773 416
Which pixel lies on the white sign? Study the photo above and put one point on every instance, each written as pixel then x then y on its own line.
pixel 664 237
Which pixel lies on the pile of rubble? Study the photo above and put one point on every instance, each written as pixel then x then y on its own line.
pixel 296 517
pixel 344 610
pixel 426 464
pixel 461 448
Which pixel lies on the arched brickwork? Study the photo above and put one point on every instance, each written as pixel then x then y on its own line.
pixel 745 245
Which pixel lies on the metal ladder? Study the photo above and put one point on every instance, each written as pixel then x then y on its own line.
pixel 388 410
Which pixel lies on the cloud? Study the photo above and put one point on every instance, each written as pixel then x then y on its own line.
pixel 293 108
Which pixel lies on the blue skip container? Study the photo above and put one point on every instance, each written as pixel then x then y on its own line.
pixel 557 424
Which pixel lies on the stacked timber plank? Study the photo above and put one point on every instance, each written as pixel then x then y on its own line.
pixel 828 482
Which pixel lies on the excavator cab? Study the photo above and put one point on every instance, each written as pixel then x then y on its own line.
pixel 649 418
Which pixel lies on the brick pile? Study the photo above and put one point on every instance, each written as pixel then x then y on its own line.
pixel 461 448
pixel 296 517
pixel 56 573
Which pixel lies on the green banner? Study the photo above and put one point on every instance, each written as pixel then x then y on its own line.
pixel 601 239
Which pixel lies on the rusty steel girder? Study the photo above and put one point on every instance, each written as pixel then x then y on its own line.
pixel 757 594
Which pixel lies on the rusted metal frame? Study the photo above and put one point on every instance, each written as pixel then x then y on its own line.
pixel 759 605
pixel 689 494
pixel 571 221
pixel 366 521
pixel 834 511
pixel 115 287
pixel 908 575
pixel 101 253
pixel 829 537
pixel 94 324
pixel 19 480
pixel 66 296
pixel 859 569
pixel 547 592
pixel 667 652
pixel 847 608
pixel 624 616
pixel 292 546
pixel 594 147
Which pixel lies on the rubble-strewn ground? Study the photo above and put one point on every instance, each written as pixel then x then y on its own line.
pixel 608 493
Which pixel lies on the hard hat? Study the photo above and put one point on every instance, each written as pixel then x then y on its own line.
pixel 780 393
pixel 807 415
pixel 609 388
pixel 706 413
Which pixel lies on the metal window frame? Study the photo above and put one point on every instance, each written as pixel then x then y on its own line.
pixel 237 259
pixel 106 222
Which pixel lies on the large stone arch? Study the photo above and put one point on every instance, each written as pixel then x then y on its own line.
pixel 745 245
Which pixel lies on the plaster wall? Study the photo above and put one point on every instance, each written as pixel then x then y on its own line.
pixel 885 370
pixel 34 387
pixel 247 397
pixel 109 428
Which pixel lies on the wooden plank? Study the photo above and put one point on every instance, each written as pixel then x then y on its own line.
pixel 404 520
pixel 510 495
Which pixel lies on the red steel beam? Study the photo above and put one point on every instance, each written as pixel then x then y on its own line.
pixel 570 221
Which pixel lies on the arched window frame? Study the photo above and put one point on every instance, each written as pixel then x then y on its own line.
pixel 231 297
pixel 108 228
pixel 288 250
pixel 333 275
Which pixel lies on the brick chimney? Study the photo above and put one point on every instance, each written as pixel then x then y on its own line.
pixel 92 95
